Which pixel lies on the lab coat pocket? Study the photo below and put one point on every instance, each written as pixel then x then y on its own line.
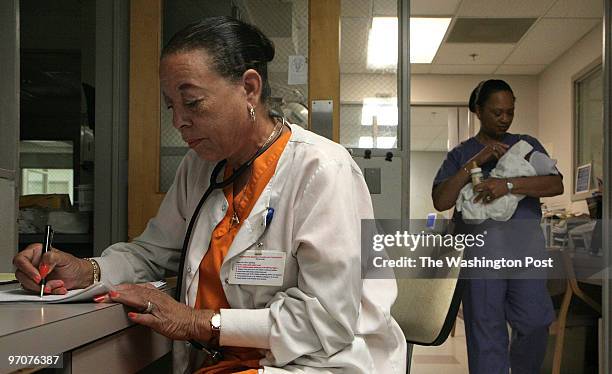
pixel 256 290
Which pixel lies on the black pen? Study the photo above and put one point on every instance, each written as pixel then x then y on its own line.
pixel 46 246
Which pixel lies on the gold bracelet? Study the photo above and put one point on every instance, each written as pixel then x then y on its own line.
pixel 96 269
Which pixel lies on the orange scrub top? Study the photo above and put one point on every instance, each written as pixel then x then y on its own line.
pixel 210 291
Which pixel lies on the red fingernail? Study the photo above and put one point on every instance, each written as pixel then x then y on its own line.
pixel 43 269
pixel 37 279
pixel 99 299
pixel 48 289
pixel 114 294
pixel 132 315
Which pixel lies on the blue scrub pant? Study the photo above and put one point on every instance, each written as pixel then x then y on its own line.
pixel 526 305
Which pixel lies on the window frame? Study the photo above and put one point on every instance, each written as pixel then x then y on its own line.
pixel 593 68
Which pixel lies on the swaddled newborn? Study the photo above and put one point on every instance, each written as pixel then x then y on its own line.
pixel 512 164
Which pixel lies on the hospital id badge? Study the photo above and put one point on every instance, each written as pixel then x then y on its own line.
pixel 259 268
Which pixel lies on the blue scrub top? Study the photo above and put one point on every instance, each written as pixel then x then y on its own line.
pixel 523 229
pixel 528 208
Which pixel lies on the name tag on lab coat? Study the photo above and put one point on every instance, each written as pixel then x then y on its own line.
pixel 258 268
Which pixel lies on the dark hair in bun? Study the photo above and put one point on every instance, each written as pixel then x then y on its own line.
pixel 233 46
pixel 485 89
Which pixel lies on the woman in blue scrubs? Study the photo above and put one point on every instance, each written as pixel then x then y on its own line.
pixel 490 302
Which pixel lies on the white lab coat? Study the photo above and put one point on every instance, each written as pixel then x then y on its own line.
pixel 324 318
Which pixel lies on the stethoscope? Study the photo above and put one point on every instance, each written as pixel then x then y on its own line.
pixel 216 355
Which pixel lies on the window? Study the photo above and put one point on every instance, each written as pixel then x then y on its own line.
pixel 588 124
pixel 47 181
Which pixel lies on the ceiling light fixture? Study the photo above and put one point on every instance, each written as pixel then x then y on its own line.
pixel 426 35
pixel 382 43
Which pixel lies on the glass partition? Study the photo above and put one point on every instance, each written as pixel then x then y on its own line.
pixel 47 167
pixel 368 75
pixel 285 23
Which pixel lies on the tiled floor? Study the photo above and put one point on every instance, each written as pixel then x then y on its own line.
pixel 449 358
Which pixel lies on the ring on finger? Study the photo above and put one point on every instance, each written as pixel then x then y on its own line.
pixel 149 308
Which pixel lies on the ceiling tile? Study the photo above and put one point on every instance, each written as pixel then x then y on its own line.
pixel 489 30
pixel 356 8
pixel 459 53
pixel 433 8
pixel 577 9
pixel 520 69
pixel 548 39
pixel 463 69
pixel 504 8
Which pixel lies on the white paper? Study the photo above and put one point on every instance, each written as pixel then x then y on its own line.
pixel 262 268
pixel 298 70
pixel 80 295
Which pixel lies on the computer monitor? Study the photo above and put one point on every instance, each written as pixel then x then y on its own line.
pixel 583 179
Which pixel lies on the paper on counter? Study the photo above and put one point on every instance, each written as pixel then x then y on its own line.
pixel 80 295
pixel 7 278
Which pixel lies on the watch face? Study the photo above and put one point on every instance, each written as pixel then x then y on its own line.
pixel 215 321
pixel 509 185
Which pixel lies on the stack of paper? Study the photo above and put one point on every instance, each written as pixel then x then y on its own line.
pixel 80 295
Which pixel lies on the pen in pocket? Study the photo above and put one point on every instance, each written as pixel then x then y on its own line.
pixel 269 215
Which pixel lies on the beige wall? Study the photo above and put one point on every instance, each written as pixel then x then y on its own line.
pixel 423 169
pixel 447 89
pixel 556 107
pixel 456 89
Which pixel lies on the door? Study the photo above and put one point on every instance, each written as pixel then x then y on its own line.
pixel 9 131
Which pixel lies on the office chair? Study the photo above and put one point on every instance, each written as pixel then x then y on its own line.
pixel 426 309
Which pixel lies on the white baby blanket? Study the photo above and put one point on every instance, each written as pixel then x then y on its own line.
pixel 511 164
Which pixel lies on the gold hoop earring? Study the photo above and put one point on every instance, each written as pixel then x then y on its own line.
pixel 252 113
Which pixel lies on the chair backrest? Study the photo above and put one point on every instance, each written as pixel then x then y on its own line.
pixel 426 309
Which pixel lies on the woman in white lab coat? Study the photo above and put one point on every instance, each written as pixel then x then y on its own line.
pixel 282 240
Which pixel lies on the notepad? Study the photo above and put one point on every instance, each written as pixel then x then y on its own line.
pixel 6 278
pixel 72 296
